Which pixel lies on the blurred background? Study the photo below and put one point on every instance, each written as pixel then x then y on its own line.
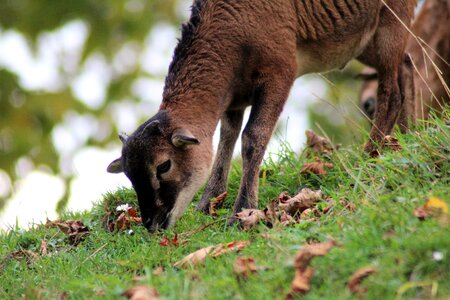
pixel 75 73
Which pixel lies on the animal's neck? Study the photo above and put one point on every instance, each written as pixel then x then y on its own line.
pixel 198 90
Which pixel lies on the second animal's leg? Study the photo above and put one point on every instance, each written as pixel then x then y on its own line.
pixel 386 53
pixel 266 108
pixel 407 89
pixel 231 124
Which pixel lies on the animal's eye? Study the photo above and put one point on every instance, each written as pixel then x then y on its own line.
pixel 164 167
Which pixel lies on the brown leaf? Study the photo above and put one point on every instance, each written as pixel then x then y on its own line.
pixel 315 168
pixel 216 203
pixel 194 258
pixel 230 247
pixel 43 250
pixel 421 213
pixel 165 241
pixel 318 144
pixel 250 217
pixel 303 273
pixel 200 255
pixel 244 266
pixel 303 200
pixel 76 230
pixel 141 292
pixel 286 219
pixel 301 283
pixel 356 279
pixel 23 254
pixel 392 143
pixel 124 220
pixel 433 207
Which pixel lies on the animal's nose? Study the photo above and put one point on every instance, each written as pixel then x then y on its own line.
pixel 369 106
pixel 149 225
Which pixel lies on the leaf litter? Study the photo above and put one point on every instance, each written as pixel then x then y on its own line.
pixel 244 266
pixel 317 168
pixel 216 203
pixel 433 207
pixel 354 283
pixel 303 272
pixel 286 210
pixel 123 222
pixel 199 256
pixel 75 230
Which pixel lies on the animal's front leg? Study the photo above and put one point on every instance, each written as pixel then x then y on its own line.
pixel 231 124
pixel 265 111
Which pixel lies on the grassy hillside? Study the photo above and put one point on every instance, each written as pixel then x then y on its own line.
pixel 368 209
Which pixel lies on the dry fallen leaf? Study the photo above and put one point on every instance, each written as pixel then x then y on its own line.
pixel 244 266
pixel 434 207
pixel 356 279
pixel 194 258
pixel 250 217
pixel 421 213
pixel 125 219
pixel 315 168
pixel 141 292
pixel 216 203
pixel 303 200
pixel 317 143
pixel 23 254
pixel 200 255
pixel 165 241
pixel 392 143
pixel 76 230
pixel 303 272
pixel 437 204
pixel 230 247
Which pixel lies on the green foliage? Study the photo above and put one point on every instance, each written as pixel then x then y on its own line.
pixel 381 232
pixel 28 117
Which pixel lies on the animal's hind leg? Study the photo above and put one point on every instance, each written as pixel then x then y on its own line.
pixel 231 124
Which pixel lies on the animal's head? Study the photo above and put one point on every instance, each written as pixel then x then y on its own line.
pixel 368 94
pixel 166 164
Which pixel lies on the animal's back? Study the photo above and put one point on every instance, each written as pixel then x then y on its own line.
pixel 332 32
pixel 334 19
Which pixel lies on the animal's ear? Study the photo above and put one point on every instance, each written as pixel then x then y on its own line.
pixel 182 137
pixel 115 166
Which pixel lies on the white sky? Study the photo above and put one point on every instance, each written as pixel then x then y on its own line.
pixel 36 194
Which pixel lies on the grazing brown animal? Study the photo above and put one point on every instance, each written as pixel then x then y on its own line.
pixel 234 54
pixel 433 26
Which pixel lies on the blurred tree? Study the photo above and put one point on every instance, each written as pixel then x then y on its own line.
pixel 29 116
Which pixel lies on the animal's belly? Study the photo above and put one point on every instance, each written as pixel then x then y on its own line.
pixel 321 56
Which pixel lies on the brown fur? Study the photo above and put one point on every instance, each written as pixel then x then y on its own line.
pixel 235 54
pixel 433 26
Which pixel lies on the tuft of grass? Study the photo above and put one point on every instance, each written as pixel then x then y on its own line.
pixel 412 257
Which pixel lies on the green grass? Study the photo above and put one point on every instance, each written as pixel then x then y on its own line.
pixel 382 232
